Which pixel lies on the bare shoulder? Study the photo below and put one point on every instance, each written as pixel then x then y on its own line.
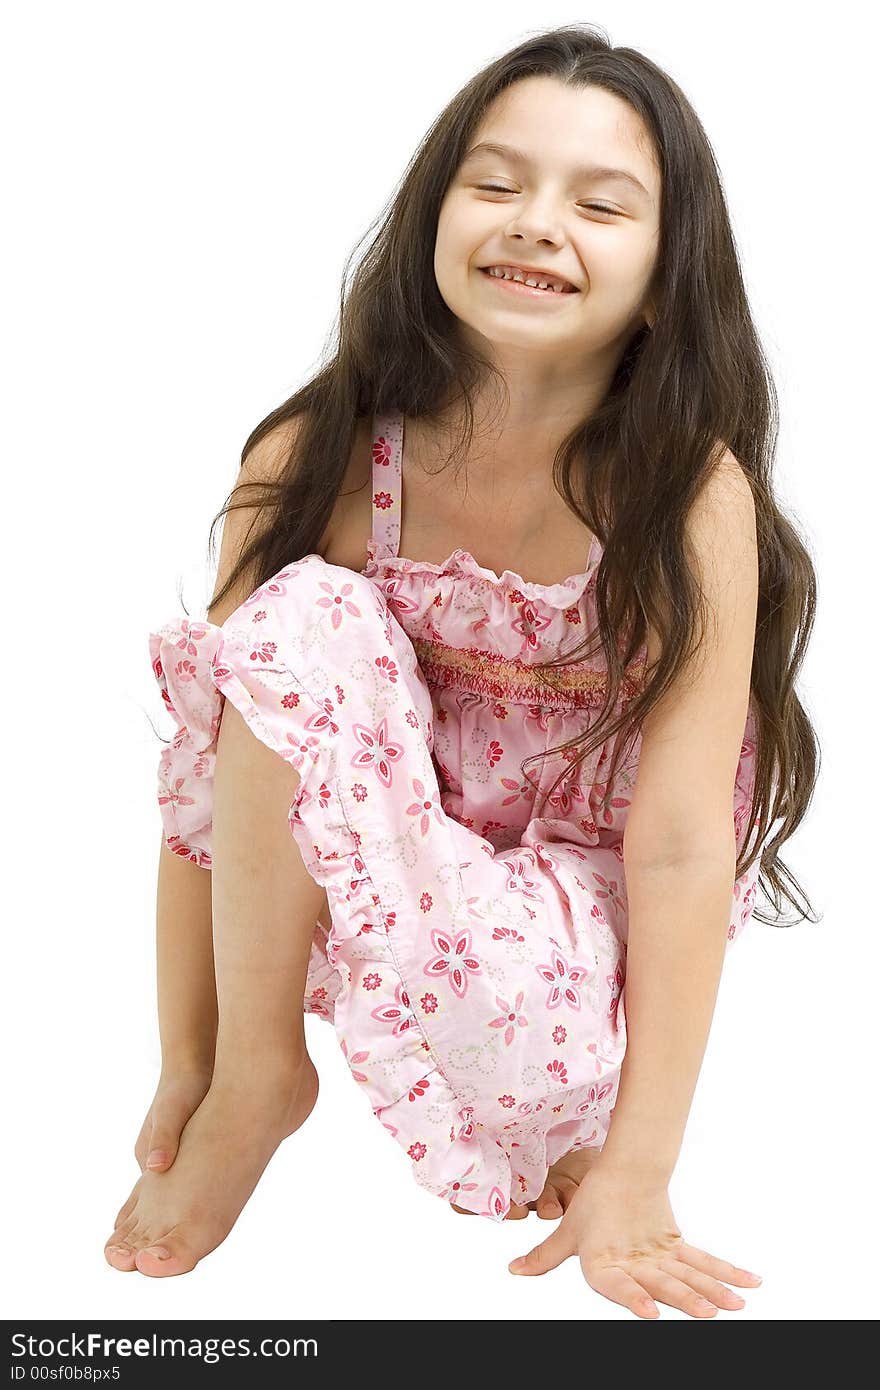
pixel 720 534
pixel 266 459
pixel 343 541
pixel 263 463
pixel 726 498
pixel 692 737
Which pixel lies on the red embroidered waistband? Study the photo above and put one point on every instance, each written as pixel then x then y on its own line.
pixel 578 686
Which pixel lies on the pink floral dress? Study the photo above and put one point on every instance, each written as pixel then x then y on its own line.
pixel 474 971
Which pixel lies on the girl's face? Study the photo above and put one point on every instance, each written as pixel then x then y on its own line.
pixel 555 206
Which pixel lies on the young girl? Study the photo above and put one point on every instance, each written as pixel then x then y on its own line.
pixel 474 754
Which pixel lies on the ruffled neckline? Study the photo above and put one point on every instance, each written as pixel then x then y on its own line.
pixel 461 563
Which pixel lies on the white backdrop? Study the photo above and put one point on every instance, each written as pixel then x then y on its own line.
pixel 185 182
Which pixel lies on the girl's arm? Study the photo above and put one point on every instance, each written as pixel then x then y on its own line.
pixel 679 914
pixel 679 842
pixel 679 860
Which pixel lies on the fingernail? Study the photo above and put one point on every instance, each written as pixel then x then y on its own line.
pixel 156 1157
pixel 159 1251
pixel 516 1265
pixel 749 1275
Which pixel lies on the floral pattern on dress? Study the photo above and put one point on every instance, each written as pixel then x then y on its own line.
pixel 475 968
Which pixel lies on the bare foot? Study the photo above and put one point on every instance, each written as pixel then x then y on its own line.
pixel 563 1180
pixel 173 1219
pixel 178 1095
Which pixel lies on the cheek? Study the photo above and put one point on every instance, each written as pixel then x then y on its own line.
pixel 446 247
pixel 453 260
pixel 612 268
pixel 462 231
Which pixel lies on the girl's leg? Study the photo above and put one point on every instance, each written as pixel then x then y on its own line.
pixel 187 1004
pixel 462 982
pixel 265 906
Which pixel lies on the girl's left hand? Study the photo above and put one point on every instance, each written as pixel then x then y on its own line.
pixel 632 1252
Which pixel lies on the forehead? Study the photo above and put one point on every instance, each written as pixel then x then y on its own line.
pixel 579 130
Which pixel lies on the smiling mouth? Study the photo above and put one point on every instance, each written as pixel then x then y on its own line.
pixel 556 288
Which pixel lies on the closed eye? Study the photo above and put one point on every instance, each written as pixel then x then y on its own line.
pixel 600 207
pixel 595 207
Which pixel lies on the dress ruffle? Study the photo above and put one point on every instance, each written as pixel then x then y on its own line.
pixel 182 654
pixel 497 613
pixel 366 974
pixel 462 562
pixel 322 673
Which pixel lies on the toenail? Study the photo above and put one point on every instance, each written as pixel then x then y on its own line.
pixel 159 1251
pixel 156 1158
pixel 117 1250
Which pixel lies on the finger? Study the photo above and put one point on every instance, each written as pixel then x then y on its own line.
pixel 516 1212
pixel 721 1269
pixel 550 1253
pixel 566 1190
pixel 710 1288
pixel 546 1190
pixel 667 1289
pixel 616 1284
pixel 548 1205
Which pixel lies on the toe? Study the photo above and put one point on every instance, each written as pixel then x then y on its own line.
pixel 125 1213
pixel 165 1257
pixel 120 1254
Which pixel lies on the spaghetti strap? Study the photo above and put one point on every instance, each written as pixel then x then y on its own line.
pixel 387 488
pixel 387 479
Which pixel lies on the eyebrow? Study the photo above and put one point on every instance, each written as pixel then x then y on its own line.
pixel 585 171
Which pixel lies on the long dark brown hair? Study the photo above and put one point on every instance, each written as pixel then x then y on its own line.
pixel 697 376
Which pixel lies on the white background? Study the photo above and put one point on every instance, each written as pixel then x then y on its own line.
pixel 184 184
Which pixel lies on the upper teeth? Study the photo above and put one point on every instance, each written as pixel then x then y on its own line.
pixel 511 272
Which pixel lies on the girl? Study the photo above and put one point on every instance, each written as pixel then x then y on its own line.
pixel 456 811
